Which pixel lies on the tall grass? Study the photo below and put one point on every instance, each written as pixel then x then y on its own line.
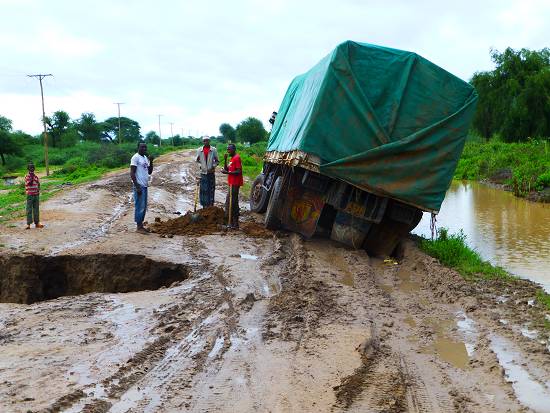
pixel 452 251
pixel 529 163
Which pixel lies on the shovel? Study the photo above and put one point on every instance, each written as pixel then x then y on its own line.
pixel 196 217
pixel 230 207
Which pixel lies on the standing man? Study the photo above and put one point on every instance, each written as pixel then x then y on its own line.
pixel 207 157
pixel 32 189
pixel 234 172
pixel 140 169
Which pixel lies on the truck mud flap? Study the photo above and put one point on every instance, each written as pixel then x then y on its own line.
pixel 301 211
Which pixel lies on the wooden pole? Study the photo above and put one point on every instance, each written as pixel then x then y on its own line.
pixel 46 161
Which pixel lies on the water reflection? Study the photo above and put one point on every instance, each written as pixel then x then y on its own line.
pixel 505 230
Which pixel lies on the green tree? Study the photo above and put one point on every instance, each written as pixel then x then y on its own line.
pixel 514 98
pixel 57 125
pixel 130 129
pixel 152 137
pixel 5 124
pixel 89 128
pixel 251 130
pixel 178 140
pixel 228 132
pixel 8 146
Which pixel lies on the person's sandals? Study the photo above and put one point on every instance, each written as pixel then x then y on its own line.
pixel 28 227
pixel 38 226
pixel 143 230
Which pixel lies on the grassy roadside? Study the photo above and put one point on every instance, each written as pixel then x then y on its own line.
pixel 452 251
pixel 523 168
pixel 69 169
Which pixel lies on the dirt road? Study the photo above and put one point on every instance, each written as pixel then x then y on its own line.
pixel 251 323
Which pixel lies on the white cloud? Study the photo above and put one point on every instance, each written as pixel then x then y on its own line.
pixel 203 63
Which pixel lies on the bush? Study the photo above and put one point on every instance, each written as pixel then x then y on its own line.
pixel 528 161
pixel 72 165
pixel 14 163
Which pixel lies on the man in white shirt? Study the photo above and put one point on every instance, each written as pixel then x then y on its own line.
pixel 140 169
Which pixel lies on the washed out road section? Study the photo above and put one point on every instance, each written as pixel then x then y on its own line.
pixel 261 321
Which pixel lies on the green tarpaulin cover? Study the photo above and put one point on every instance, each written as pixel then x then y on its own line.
pixel 385 120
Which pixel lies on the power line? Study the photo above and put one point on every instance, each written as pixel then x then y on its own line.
pixel 160 132
pixel 40 77
pixel 172 132
pixel 119 130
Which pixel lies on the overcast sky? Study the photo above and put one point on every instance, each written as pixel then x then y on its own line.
pixel 201 63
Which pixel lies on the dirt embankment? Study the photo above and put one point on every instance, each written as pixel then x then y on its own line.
pixel 259 321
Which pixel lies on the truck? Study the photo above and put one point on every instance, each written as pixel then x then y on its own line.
pixel 363 143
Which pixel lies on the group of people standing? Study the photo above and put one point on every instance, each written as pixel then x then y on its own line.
pixel 141 166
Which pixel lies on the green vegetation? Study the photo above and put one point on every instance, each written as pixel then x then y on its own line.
pixel 524 167
pixel 451 250
pixel 513 118
pixel 228 132
pixel 83 162
pixel 514 98
pixel 544 298
pixel 250 130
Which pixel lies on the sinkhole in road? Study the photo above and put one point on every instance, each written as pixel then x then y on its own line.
pixel 27 279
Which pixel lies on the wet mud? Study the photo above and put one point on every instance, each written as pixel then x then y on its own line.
pixel 254 321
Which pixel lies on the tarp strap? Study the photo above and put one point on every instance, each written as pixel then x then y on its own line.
pixel 433 225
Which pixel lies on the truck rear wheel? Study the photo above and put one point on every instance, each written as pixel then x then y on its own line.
pixel 259 197
pixel 272 220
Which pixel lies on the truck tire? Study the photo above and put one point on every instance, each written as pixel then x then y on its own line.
pixel 259 197
pixel 272 220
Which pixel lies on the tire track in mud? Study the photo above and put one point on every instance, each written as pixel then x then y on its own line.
pixel 303 302
pixel 175 359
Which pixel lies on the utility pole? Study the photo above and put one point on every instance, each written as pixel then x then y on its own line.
pixel 172 132
pixel 119 130
pixel 40 77
pixel 160 132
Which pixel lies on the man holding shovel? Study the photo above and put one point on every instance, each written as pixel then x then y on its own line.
pixel 140 169
pixel 207 157
pixel 234 172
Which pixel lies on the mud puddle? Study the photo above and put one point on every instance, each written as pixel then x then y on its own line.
pixel 406 284
pixel 446 347
pixel 248 257
pixel 530 392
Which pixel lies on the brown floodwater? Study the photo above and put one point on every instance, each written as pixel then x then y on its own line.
pixel 505 230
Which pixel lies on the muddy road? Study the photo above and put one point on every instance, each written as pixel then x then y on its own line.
pixel 248 322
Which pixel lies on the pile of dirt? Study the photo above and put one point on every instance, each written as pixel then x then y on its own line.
pixel 254 229
pixel 208 221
